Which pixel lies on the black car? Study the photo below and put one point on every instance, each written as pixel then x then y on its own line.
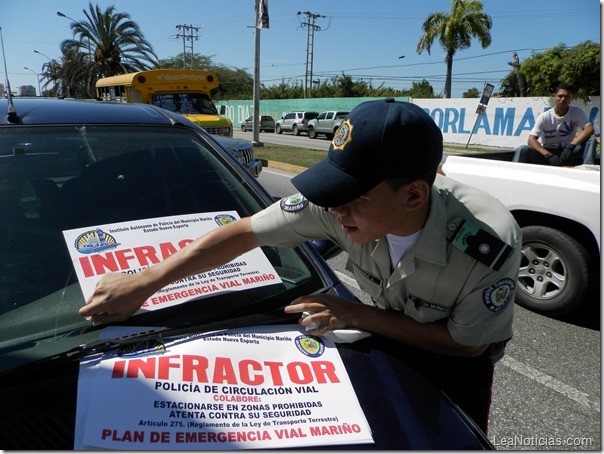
pixel 78 181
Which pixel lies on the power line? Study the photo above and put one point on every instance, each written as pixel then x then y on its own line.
pixel 310 44
pixel 187 35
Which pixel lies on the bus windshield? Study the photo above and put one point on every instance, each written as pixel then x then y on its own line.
pixel 185 103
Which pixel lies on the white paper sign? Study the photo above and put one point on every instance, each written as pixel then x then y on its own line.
pixel 251 388
pixel 130 247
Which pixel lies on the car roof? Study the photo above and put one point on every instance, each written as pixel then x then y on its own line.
pixel 40 111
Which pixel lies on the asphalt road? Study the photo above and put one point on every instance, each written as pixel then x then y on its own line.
pixel 288 139
pixel 546 393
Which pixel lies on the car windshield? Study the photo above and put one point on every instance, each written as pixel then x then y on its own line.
pixel 99 182
pixel 185 103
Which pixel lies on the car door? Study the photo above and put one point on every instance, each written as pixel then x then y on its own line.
pixel 320 121
pixel 288 121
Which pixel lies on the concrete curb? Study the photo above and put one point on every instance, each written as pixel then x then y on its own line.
pixel 282 166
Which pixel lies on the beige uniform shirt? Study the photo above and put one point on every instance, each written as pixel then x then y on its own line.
pixel 436 279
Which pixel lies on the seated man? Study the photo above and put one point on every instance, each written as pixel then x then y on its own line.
pixel 554 139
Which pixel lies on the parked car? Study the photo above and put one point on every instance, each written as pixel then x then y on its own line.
pixel 267 124
pixel 243 151
pixel 295 122
pixel 88 188
pixel 326 123
pixel 558 209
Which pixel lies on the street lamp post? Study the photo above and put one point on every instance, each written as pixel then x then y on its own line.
pixel 37 76
pixel 44 55
pixel 60 14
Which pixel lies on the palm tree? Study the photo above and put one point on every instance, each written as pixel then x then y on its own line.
pixel 105 44
pixel 455 31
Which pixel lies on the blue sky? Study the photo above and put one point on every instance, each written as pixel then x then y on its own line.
pixel 363 39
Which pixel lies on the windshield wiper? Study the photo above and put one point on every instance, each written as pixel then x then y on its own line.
pixel 272 317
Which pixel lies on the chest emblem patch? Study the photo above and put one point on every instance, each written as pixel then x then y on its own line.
pixel 496 296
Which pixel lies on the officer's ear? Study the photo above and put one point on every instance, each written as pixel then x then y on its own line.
pixel 417 194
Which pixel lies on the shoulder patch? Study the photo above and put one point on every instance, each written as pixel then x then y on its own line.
pixel 478 243
pixel 294 203
pixel 496 296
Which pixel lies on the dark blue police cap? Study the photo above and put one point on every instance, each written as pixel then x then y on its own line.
pixel 378 140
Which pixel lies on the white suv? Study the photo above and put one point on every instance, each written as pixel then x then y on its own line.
pixel 296 122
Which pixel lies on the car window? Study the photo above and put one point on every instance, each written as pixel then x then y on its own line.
pixel 289 116
pixel 185 103
pixel 54 179
pixel 321 116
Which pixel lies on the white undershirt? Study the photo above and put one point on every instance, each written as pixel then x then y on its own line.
pixel 399 245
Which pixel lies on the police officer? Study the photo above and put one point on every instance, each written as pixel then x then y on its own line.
pixel 439 259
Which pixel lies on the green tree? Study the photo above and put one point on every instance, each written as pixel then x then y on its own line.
pixel 544 71
pixel 233 83
pixel 471 93
pixel 421 89
pixel 345 87
pixel 52 75
pixel 455 31
pixel 107 43
pixel 186 60
pixel 283 90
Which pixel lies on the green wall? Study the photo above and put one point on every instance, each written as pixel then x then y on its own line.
pixel 239 110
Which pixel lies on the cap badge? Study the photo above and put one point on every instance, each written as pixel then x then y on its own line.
pixel 342 136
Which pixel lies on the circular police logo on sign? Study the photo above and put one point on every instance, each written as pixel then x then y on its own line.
pixel 94 241
pixel 497 295
pixel 223 219
pixel 143 348
pixel 294 203
pixel 310 346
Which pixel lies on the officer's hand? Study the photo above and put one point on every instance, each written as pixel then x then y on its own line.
pixel 567 154
pixel 553 160
pixel 116 297
pixel 329 312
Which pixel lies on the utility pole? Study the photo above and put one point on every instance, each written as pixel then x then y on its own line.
pixel 310 40
pixel 187 35
pixel 261 20
pixel 516 65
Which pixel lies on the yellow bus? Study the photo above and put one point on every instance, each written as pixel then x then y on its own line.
pixel 184 91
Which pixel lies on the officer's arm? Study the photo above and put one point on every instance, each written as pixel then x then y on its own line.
pixel 118 295
pixel 331 312
pixel 433 336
